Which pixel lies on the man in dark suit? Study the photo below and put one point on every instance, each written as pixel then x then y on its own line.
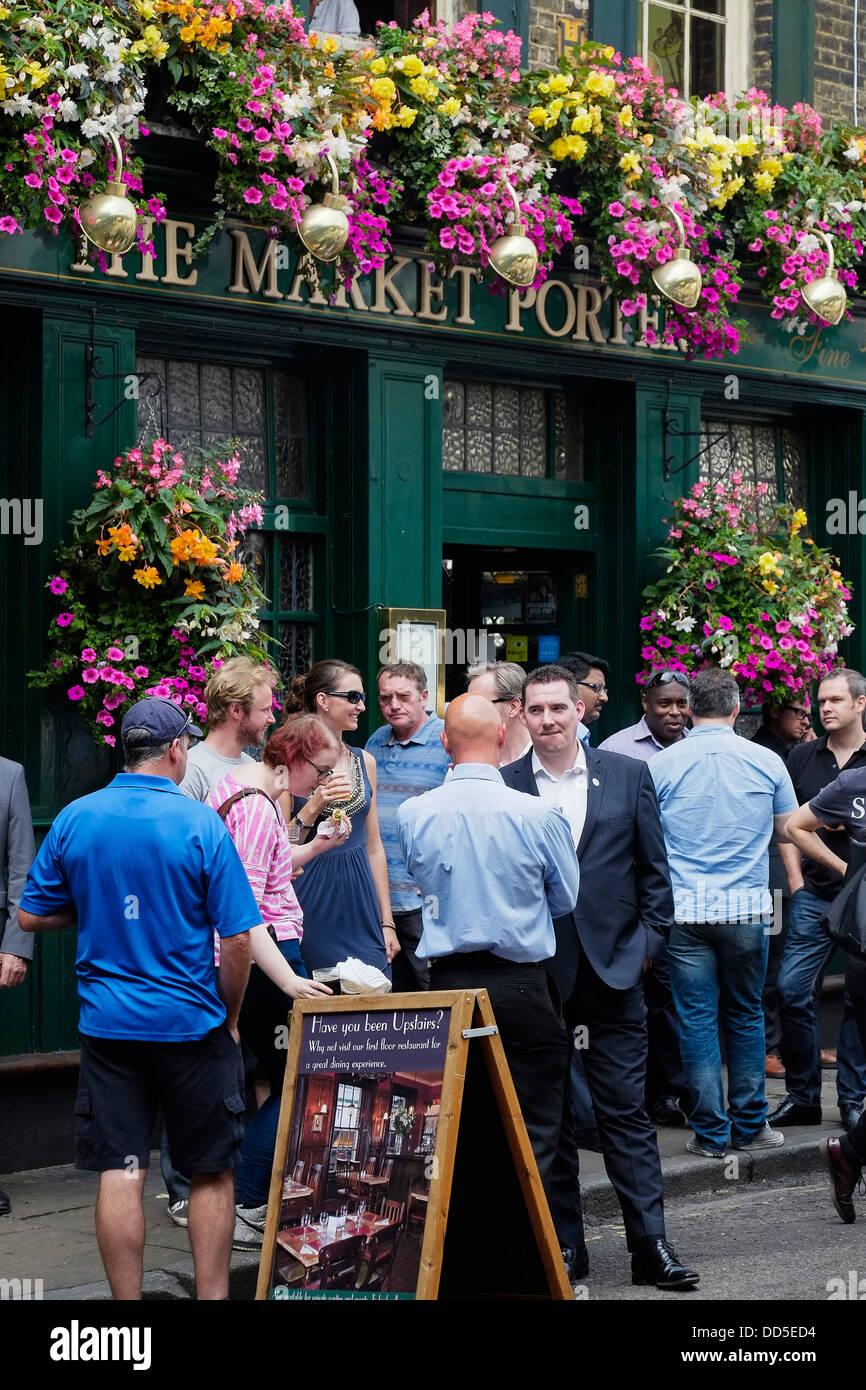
pixel 17 850
pixel 623 914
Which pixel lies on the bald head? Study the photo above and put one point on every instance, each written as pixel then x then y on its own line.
pixel 473 731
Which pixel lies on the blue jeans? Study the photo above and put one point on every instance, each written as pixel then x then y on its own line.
pixel 807 951
pixel 717 976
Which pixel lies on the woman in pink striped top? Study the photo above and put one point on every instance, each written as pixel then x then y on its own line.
pixel 296 758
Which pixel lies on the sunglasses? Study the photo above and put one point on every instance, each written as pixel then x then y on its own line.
pixel 322 771
pixel 355 697
pixel 665 678
pixel 590 685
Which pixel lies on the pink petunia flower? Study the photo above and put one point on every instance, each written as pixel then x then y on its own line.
pixel 76 692
pixel 115 654
pixel 58 585
pixel 64 619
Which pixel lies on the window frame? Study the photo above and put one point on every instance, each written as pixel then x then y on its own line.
pixel 736 24
pixel 519 481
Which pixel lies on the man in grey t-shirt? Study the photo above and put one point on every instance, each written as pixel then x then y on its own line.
pixel 239 699
pixel 334 17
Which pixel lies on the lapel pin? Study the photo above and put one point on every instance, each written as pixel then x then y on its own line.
pixel 595 781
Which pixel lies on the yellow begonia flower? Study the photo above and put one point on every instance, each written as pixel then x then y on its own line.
pixel 569 147
pixel 582 121
pixel 329 44
pixel 764 182
pixel 746 146
pixel 411 65
pixel 148 577
pixel 647 140
pixel 798 520
pixel 630 162
pixel 450 107
pixel 383 89
pixel 600 84
pixel 430 41
pixel 561 83
pixel 538 115
pixel 378 66
pixel 423 88
pixel 625 116
pixel 597 124
pixel 405 116
pixel 770 585
pixel 194 589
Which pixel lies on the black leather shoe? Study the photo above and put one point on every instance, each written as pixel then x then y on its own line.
pixel 850 1115
pixel 790 1113
pixel 576 1263
pixel 654 1262
pixel 667 1112
pixel 5 1204
pixel 843 1179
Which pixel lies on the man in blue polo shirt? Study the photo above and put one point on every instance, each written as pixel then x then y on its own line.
pixel 150 874
pixel 410 760
pixel 721 798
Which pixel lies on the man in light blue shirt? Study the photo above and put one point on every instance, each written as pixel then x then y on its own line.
pixel 721 799
pixel 495 866
pixel 410 760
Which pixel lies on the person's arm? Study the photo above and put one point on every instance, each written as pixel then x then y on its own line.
pixel 16 949
pixel 379 864
pixel 561 871
pixel 267 955
pixel 233 975
pixel 800 829
pixel 52 921
pixel 793 863
pixel 780 834
pixel 652 875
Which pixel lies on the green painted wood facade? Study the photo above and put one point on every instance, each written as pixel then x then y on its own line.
pixel 381 508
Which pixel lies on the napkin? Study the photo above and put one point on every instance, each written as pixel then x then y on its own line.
pixel 358 978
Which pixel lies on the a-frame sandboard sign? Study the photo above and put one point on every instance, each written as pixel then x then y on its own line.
pixel 402 1166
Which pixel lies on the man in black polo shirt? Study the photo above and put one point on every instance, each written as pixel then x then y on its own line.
pixel 812 766
pixel 782 729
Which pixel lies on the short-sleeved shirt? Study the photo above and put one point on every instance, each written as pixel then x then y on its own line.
pixel 152 874
pixel 204 768
pixel 335 17
pixel 718 794
pixel 813 767
pixel 259 832
pixel 843 803
pixel 402 770
pixel 495 866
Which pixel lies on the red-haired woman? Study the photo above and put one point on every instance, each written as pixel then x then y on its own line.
pixel 297 756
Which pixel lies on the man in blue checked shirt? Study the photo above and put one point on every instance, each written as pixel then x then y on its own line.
pixel 410 759
pixel 495 867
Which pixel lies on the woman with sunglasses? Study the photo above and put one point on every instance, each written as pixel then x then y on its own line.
pixel 344 895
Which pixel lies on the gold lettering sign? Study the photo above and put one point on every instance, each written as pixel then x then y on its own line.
pixel 570 33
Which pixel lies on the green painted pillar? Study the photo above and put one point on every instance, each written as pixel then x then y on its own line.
pixel 615 22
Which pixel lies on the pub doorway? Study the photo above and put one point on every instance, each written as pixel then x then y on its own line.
pixel 512 604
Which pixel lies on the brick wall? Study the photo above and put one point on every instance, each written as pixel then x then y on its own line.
pixel 762 45
pixel 543 15
pixel 834 59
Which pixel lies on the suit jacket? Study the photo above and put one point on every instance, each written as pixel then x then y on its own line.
pixel 17 851
pixel 625 907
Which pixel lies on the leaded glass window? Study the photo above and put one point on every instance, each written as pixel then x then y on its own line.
pixel 516 431
pixel 683 42
pixel 199 405
pixel 772 454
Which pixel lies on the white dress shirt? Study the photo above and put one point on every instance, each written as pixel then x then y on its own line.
pixel 567 792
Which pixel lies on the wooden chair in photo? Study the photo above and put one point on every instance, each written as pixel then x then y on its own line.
pixel 393 1211
pixel 354 1191
pixel 374 1269
pixel 387 1169
pixel 314 1182
pixel 416 1208
pixel 338 1263
pixel 300 1169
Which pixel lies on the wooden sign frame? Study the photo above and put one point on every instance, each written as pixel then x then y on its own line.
pixel 471 1024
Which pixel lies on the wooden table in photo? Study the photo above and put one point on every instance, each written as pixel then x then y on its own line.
pixel 373 1181
pixel 311 1239
pixel 292 1189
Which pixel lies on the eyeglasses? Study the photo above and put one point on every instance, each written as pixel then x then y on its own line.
pixel 590 685
pixel 665 678
pixel 504 699
pixel 355 697
pixel 322 771
pixel 798 711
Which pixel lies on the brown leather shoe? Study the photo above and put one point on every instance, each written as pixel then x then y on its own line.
pixel 828 1057
pixel 843 1179
pixel 773 1065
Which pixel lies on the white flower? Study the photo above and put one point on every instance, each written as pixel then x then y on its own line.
pixel 18 106
pixel 322 93
pixel 726 660
pixel 516 153
pixel 33 26
pixel 806 243
pixel 684 624
pixel 90 127
pixel 662 615
pixel 853 153
pixel 77 70
pixel 89 39
pixel 86 157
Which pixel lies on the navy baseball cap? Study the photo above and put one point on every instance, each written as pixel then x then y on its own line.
pixel 163 720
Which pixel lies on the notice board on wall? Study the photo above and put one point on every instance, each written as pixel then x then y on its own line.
pixel 402 1167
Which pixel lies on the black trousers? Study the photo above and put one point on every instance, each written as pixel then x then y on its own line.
pixel 533 1037
pixel 614 1059
pixel 408 970
pixel 664 1072
pixel 854 1144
